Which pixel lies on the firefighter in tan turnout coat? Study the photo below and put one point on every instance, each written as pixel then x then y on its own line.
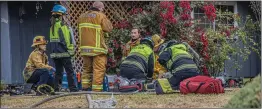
pixel 91 26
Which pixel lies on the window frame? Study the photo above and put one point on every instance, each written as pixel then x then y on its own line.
pixel 228 3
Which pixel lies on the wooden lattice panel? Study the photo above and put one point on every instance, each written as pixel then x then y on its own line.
pixel 115 10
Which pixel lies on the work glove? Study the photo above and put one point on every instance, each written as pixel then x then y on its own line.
pixel 167 75
pixel 52 70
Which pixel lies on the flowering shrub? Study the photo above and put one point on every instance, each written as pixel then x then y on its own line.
pixel 172 20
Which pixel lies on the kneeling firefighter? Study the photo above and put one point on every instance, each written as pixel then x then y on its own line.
pixel 177 59
pixel 37 69
pixel 139 64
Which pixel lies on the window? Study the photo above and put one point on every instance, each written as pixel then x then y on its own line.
pixel 225 9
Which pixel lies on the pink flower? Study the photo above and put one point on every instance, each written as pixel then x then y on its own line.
pixel 185 5
pixel 164 4
pixel 110 50
pixel 185 16
pixel 173 20
pixel 116 45
pixel 227 33
pixel 110 60
pixel 210 12
pixel 188 24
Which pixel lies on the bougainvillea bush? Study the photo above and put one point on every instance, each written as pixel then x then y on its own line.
pixel 173 20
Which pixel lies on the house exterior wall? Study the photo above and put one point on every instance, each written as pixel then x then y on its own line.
pixel 21 36
pixel 5 45
pixel 252 66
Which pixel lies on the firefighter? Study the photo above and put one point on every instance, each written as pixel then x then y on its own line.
pixel 158 69
pixel 62 48
pixel 37 69
pixel 176 58
pixel 135 40
pixel 92 26
pixel 139 64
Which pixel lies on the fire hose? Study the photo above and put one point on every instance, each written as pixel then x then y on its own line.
pixel 79 93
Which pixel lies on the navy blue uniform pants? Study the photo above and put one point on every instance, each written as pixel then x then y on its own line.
pixel 131 72
pixel 41 76
pixel 60 64
pixel 180 76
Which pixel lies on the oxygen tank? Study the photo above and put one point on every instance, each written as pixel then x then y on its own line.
pixel 64 81
pixel 105 84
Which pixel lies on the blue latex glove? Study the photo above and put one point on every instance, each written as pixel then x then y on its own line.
pixel 52 70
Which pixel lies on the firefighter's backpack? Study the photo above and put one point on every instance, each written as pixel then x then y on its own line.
pixel 162 86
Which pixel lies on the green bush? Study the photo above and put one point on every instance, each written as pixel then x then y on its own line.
pixel 248 97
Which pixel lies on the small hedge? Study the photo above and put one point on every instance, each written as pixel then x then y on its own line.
pixel 248 97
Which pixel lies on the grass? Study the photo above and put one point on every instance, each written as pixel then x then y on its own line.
pixel 140 100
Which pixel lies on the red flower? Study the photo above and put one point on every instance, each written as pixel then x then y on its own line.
pixel 136 11
pixel 116 45
pixel 205 71
pixel 227 33
pixel 110 60
pixel 204 47
pixel 110 50
pixel 198 29
pixel 185 5
pixel 114 64
pixel 210 12
pixel 122 24
pixel 188 24
pixel 173 21
pixel 164 4
pixel 163 29
pixel 185 16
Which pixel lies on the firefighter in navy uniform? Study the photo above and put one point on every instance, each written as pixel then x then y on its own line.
pixel 62 48
pixel 37 69
pixel 139 64
pixel 176 58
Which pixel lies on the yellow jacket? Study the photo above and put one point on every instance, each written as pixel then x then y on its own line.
pixel 158 69
pixel 36 60
pixel 91 27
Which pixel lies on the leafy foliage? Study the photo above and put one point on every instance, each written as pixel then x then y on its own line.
pixel 248 97
pixel 172 20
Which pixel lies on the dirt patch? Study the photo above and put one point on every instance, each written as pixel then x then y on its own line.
pixel 131 101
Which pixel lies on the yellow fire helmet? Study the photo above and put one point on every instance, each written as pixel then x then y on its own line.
pixel 39 40
pixel 157 40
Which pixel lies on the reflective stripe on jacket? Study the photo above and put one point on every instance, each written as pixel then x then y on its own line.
pixel 141 56
pixel 61 41
pixel 91 26
pixel 176 58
